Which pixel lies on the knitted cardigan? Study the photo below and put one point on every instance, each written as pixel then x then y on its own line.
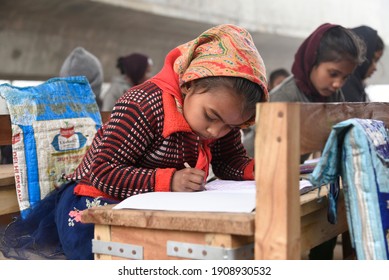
pixel 145 141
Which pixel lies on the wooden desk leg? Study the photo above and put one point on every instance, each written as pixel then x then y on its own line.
pixel 102 233
pixel 277 153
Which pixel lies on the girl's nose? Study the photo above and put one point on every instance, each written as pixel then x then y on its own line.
pixel 217 131
pixel 338 83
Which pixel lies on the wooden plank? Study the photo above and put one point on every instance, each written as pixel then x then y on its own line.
pixel 313 201
pixel 315 228
pixel 154 241
pixel 277 219
pixel 8 201
pixel 5 130
pixel 317 119
pixel 226 223
pixel 233 241
pixel 6 175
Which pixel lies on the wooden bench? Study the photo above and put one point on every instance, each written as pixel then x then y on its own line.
pixel 284 224
pixel 8 200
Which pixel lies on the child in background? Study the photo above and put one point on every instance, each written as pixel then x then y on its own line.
pixel 81 62
pixel 189 113
pixel 322 65
pixel 276 77
pixel 354 88
pixel 134 70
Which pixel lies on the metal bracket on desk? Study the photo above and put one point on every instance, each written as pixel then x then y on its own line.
pixel 204 252
pixel 117 249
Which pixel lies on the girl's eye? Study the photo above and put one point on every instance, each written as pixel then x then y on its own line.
pixel 346 77
pixel 208 117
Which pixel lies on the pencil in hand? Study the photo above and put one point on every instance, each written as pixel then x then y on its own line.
pixel 187 165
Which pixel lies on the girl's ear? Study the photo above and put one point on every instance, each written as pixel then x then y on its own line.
pixel 188 85
pixel 186 88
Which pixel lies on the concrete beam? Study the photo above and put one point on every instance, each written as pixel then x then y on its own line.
pixel 38 35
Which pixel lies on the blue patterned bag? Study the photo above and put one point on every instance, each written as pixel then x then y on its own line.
pixel 53 125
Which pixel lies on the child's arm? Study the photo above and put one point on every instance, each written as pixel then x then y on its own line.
pixel 115 169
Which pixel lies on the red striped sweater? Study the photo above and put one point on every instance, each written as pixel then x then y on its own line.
pixel 144 142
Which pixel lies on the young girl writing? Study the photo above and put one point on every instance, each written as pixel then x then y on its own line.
pixel 189 113
pixel 322 65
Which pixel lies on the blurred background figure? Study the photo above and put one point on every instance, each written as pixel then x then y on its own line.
pixel 248 134
pixel 354 88
pixel 276 77
pixel 322 64
pixel 134 70
pixel 80 62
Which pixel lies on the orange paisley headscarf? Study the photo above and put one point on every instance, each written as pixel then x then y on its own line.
pixel 224 50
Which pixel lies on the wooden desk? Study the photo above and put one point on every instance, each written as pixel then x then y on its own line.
pixel 8 201
pixel 150 231
pixel 285 131
pixel 284 225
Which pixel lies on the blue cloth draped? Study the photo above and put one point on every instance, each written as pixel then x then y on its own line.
pixel 358 151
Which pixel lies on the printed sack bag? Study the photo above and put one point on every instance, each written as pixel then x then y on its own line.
pixel 53 125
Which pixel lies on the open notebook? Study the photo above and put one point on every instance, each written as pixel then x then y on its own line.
pixel 220 196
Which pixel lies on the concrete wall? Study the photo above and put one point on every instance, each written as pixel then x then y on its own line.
pixel 297 18
pixel 37 35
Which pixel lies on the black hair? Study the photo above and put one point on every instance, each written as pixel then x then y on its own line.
pixel 380 44
pixel 340 43
pixel 251 92
pixel 277 73
pixel 120 65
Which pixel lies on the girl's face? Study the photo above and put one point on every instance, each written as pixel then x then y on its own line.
pixel 212 114
pixel 328 77
pixel 373 65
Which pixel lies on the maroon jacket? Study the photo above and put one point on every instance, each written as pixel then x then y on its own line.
pixel 145 141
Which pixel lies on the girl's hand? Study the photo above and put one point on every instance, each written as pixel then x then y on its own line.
pixel 188 180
